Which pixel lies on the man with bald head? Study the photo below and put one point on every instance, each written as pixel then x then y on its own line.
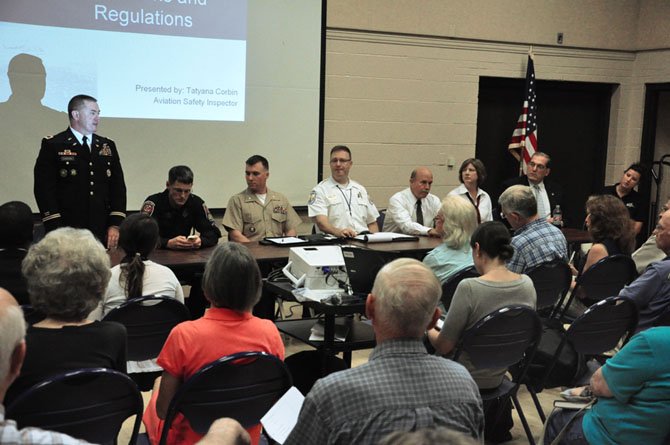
pixel 413 211
pixel 12 353
pixel 396 389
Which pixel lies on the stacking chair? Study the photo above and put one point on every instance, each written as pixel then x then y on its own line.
pixel 148 321
pixel 604 279
pixel 449 286
pixel 243 386
pixel 598 330
pixel 501 339
pixel 89 404
pixel 552 281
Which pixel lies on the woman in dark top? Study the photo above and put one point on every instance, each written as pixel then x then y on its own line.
pixel 67 273
pixel 611 229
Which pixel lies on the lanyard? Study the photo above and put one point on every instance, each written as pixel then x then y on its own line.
pixel 348 201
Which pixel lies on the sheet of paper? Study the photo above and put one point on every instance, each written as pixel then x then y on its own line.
pixel 287 240
pixel 282 417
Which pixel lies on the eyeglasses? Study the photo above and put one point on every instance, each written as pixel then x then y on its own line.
pixel 339 161
pixel 540 167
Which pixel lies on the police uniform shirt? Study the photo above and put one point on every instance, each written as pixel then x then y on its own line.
pixel 79 187
pixel 257 220
pixel 173 222
pixel 344 205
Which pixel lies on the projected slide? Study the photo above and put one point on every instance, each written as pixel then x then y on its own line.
pixel 151 59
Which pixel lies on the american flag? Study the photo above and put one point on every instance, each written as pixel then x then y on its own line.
pixel 524 139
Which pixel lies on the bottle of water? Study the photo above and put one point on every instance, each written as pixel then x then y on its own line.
pixel 557 216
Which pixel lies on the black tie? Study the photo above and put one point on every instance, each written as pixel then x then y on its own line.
pixel 419 212
pixel 85 144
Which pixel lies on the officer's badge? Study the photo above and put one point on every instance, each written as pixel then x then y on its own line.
pixel 148 207
pixel 63 173
pixel 312 197
pixel 105 151
pixel 252 229
pixel 73 172
pixel 109 173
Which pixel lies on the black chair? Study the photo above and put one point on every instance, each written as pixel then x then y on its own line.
pixel 243 386
pixel 148 321
pixel 602 280
pixel 501 339
pixel 551 281
pixel 449 286
pixel 598 330
pixel 89 404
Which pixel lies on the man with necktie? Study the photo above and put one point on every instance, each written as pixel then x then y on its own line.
pixel 78 180
pixel 412 211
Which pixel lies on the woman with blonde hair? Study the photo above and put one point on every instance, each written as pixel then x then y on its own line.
pixel 457 220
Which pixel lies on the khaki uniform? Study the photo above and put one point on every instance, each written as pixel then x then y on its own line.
pixel 257 221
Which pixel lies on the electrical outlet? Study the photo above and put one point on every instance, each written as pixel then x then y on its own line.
pixel 559 38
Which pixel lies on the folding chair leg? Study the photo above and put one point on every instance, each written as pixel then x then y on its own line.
pixel 524 422
pixel 536 401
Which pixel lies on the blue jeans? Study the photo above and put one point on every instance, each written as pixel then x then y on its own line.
pixel 574 435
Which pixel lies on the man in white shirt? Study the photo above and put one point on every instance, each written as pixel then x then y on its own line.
pixel 413 211
pixel 338 205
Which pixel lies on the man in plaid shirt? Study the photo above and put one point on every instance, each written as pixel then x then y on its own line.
pixel 401 387
pixel 535 240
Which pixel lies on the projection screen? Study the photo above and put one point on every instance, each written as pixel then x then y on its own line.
pixel 205 83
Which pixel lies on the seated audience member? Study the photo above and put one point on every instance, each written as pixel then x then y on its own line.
pixel 610 228
pixel 338 205
pixel 232 284
pixel 179 213
pixel 633 391
pixel 12 353
pixel 412 211
pixel 16 235
pixel 472 175
pixel 651 290
pixel 649 252
pixel 67 273
pixel 477 297
pixel 625 191
pixel 458 219
pixel 548 194
pixel 401 387
pixel 535 240
pixel 137 276
pixel 258 212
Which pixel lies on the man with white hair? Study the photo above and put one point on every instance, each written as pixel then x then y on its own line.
pixel 402 387
pixel 12 353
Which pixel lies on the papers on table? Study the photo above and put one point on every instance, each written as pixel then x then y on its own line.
pixel 303 294
pixel 285 240
pixel 318 329
pixel 385 237
pixel 280 420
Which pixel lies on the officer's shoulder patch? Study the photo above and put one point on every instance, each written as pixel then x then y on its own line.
pixel 210 218
pixel 49 137
pixel 312 197
pixel 148 207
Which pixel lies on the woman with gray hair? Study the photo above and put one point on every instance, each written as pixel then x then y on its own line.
pixel 232 284
pixel 67 273
pixel 457 220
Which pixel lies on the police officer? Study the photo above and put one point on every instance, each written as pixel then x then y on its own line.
pixel 178 212
pixel 257 212
pixel 78 178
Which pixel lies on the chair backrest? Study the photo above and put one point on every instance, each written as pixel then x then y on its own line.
pixel 603 325
pixel 243 386
pixel 449 286
pixel 502 338
pixel 89 404
pixel 605 278
pixel 551 281
pixel 148 321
